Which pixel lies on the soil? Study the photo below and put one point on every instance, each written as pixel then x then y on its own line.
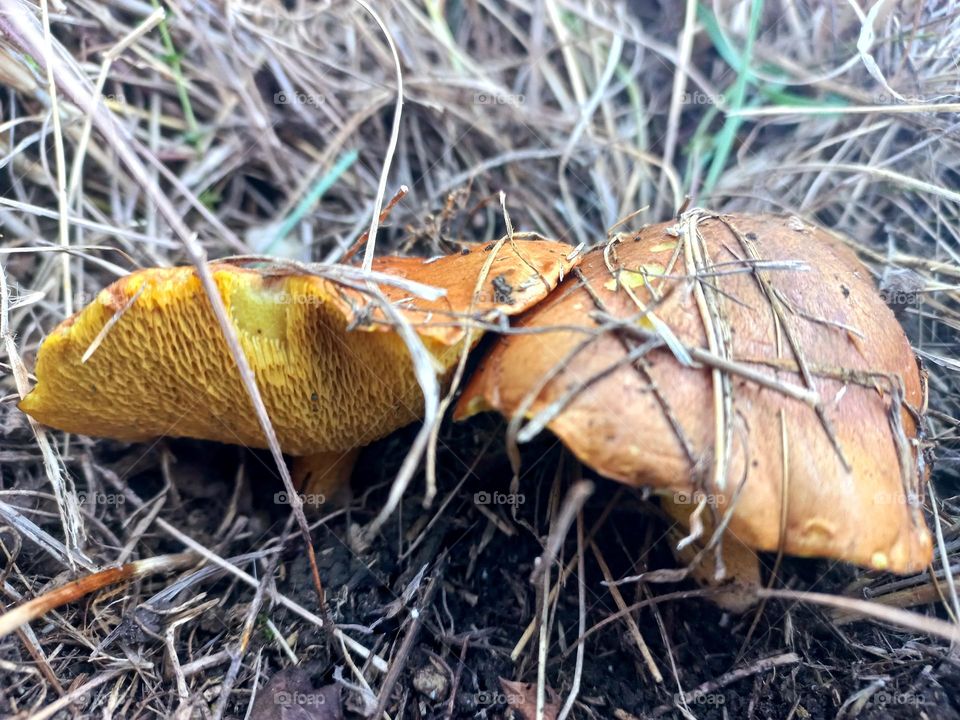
pixel 485 600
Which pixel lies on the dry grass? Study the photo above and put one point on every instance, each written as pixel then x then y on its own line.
pixel 266 127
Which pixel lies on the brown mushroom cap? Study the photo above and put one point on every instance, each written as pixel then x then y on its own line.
pixel 850 463
pixel 164 368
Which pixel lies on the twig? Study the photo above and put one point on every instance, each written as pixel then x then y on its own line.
pixel 778 306
pixel 684 50
pixel 78 692
pixel 631 624
pixel 391 147
pixel 875 611
pixel 944 556
pixel 76 589
pixel 250 618
pixel 567 570
pixel 61 189
pixel 464 353
pixel 384 214
pixel 63 489
pixel 733 676
pixel 398 664
pixel 581 624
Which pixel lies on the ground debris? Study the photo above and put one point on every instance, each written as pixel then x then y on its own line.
pixel 522 699
pixel 290 695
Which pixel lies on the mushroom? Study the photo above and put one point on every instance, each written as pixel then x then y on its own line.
pixel 746 369
pixel 147 357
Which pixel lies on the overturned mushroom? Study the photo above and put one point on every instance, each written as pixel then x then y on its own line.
pixel 742 366
pixel 147 357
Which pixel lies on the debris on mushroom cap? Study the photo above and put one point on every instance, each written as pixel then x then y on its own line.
pixel 333 373
pixel 779 374
pixel 522 273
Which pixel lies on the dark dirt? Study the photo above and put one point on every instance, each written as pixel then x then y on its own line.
pixel 484 598
pixel 486 601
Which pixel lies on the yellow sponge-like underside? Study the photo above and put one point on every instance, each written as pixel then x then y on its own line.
pixel 164 368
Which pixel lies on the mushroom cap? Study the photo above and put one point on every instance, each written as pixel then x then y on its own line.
pixel 164 367
pixel 655 423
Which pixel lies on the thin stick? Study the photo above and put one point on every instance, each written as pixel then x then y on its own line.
pixel 695 259
pixel 784 508
pixel 873 610
pixel 582 622
pixel 68 506
pixel 109 324
pixel 543 591
pixel 464 354
pixel 391 147
pixel 572 504
pixel 705 357
pixel 777 305
pixel 774 110
pixel 631 624
pixel 361 241
pixel 109 56
pixel 81 587
pixel 676 97
pixel 944 556
pixel 62 204
pixel 790 658
pixel 253 611
pixel 406 646
pixel 71 697
pixel 532 625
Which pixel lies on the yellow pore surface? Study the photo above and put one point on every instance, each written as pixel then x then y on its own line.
pixel 165 369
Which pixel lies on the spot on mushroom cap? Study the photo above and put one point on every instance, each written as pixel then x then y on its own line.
pixel 635 423
pixel 165 369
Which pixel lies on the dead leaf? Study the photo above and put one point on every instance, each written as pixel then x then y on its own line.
pixel 289 695
pixel 522 699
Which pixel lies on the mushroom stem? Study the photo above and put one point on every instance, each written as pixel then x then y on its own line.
pixel 732 566
pixel 324 476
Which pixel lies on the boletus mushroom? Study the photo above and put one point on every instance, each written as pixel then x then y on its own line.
pixel 147 358
pixel 746 369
